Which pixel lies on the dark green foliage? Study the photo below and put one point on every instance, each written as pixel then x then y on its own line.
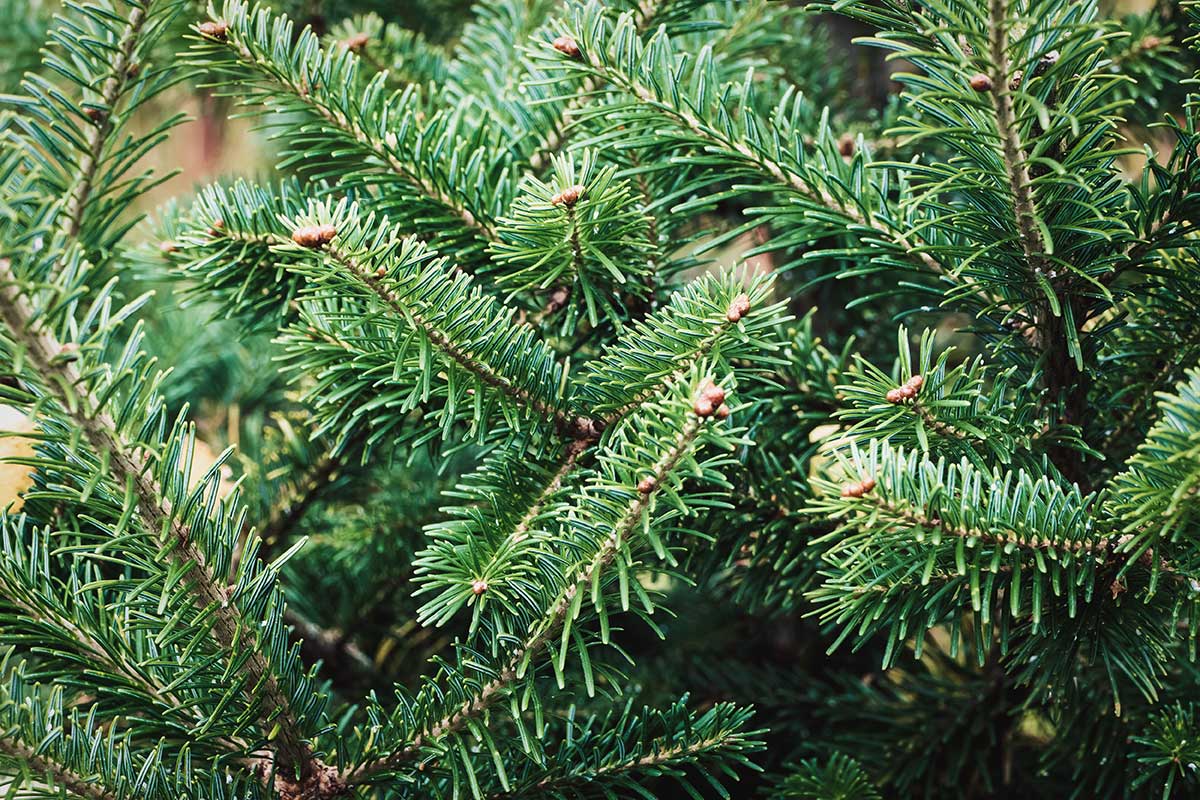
pixel 604 399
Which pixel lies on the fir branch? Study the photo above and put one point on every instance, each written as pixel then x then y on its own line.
pixel 543 633
pixel 923 523
pixel 116 83
pixel 324 84
pixel 43 612
pixel 128 466
pixel 1016 161
pixel 611 757
pixel 563 420
pixel 636 69
pixel 644 15
pixel 43 764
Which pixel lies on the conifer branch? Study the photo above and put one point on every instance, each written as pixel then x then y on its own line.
pixel 92 648
pixel 662 752
pixel 773 169
pixel 918 519
pixel 685 364
pixel 73 782
pixel 98 134
pixel 563 420
pixel 553 142
pixel 543 633
pixel 130 467
pixel 1016 161
pixel 344 120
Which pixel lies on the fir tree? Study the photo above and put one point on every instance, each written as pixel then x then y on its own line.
pixel 523 494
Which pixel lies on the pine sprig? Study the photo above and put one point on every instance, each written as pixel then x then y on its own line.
pixel 823 192
pixel 151 487
pixel 921 543
pixel 597 549
pixel 433 172
pixel 1155 497
pixel 581 237
pixel 73 133
pixel 420 307
pixel 66 751
pixel 960 411
pixel 221 245
pixel 407 56
pixel 619 753
pixel 841 778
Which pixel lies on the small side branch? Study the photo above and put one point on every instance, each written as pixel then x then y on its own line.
pixel 110 92
pixel 581 427
pixel 543 633
pixel 63 777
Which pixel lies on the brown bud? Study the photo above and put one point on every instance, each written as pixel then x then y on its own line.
pixel 980 82
pixel 479 586
pixel 894 396
pixel 738 308
pixel 916 382
pixel 712 392
pixel 722 412
pixel 357 41
pixel 214 30
pixel 845 145
pixel 567 46
pixel 569 196
pixel 93 113
pixel 1151 42
pixel 168 247
pixel 703 407
pixel 647 485
pixel 134 69
pixel 314 235
pixel 858 489
pixel 380 272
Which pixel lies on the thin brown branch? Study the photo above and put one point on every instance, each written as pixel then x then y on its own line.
pixel 299 496
pixel 1016 162
pixel 937 425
